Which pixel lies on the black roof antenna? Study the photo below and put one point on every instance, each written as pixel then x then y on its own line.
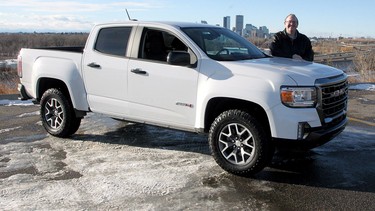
pixel 129 16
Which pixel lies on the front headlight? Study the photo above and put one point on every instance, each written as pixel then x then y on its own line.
pixel 301 97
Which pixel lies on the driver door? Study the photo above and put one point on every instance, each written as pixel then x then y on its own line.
pixel 159 92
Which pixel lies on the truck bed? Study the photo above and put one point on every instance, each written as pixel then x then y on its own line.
pixel 75 49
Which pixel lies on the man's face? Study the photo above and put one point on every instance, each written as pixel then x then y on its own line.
pixel 291 24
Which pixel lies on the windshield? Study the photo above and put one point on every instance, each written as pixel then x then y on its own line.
pixel 222 44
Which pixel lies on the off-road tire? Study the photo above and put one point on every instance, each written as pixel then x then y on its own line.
pixel 239 144
pixel 57 114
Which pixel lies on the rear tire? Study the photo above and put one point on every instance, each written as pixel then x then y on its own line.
pixel 239 144
pixel 57 114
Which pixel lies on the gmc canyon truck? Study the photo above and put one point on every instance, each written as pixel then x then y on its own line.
pixel 190 77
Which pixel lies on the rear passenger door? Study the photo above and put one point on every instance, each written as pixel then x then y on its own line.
pixel 105 70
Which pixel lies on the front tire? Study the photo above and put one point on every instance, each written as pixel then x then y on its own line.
pixel 239 144
pixel 57 114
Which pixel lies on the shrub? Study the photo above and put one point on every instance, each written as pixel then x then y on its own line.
pixel 364 65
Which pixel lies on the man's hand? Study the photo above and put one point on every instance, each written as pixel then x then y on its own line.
pixel 296 56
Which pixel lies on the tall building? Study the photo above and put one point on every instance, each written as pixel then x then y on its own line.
pixel 239 24
pixel 249 30
pixel 226 22
pixel 265 31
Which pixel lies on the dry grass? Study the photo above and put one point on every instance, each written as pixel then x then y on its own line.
pixel 363 61
pixel 11 43
pixel 326 47
pixel 9 81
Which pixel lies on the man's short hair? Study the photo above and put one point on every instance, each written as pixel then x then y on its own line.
pixel 293 15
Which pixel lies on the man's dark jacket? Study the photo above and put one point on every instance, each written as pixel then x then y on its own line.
pixel 283 46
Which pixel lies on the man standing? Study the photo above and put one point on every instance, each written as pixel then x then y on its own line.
pixel 289 43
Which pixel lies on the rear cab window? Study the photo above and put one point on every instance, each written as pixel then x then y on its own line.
pixel 113 41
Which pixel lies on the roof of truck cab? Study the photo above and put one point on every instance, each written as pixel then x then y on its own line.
pixel 165 23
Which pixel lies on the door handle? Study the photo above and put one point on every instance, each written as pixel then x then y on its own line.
pixel 93 65
pixel 138 71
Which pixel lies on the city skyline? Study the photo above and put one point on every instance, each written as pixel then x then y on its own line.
pixel 245 29
pixel 320 18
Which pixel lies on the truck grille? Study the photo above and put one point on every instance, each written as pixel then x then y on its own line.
pixel 333 97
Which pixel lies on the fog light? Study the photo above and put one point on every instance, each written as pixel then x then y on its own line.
pixel 303 130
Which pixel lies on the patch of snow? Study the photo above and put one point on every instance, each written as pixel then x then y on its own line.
pixel 368 87
pixel 9 63
pixel 35 113
pixel 16 102
pixel 9 129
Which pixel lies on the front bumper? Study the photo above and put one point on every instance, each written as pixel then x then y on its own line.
pixel 316 136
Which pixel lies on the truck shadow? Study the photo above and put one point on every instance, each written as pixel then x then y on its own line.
pixel 141 135
pixel 332 166
pixel 342 163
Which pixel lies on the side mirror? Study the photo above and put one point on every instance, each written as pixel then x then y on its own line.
pixel 180 58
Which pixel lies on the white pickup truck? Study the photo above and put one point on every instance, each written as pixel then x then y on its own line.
pixel 191 77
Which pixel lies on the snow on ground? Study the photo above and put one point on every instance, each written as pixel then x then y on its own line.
pixel 108 168
pixel 364 86
pixel 9 129
pixel 35 113
pixel 113 165
pixel 9 63
pixel 6 102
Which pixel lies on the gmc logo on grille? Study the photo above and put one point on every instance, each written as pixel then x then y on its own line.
pixel 338 92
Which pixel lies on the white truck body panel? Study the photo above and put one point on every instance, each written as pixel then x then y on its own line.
pixel 64 66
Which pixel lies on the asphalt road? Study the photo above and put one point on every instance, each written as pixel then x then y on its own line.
pixel 119 166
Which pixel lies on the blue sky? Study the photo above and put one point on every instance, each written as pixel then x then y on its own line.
pixel 321 18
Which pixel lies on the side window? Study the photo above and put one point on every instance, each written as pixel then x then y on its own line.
pixel 157 44
pixel 113 41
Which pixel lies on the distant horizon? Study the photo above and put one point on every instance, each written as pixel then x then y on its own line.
pixel 334 18
pixel 88 32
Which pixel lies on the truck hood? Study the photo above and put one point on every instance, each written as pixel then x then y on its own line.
pixel 302 72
